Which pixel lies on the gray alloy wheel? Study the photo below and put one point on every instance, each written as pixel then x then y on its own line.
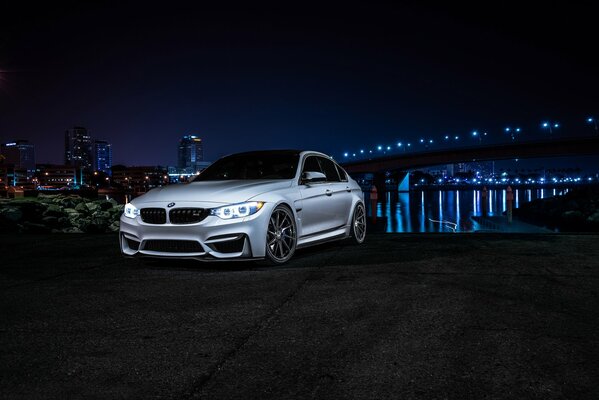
pixel 281 236
pixel 358 225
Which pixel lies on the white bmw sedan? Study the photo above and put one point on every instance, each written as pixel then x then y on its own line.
pixel 255 205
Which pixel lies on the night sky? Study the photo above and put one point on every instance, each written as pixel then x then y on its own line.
pixel 325 78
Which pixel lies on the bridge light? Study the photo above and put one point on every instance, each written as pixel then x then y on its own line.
pixel 345 154
pixel 409 144
pixel 430 141
pixel 556 125
pixel 354 154
pixel 361 151
pixel 399 144
pixel 456 138
pixel 421 140
pixel 545 124
pixel 388 147
pixel 446 137
pixel 517 129
pixel 507 129
pixel 474 133
pixel 379 148
pixel 370 151
pixel 593 121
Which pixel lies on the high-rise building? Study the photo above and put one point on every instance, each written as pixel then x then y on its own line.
pixel 78 148
pixel 103 156
pixel 190 153
pixel 21 153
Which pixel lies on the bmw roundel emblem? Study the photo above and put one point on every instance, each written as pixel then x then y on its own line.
pixel 170 205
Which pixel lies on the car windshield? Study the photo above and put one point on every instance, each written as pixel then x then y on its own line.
pixel 258 165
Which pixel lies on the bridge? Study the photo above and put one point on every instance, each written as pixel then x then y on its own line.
pixel 404 161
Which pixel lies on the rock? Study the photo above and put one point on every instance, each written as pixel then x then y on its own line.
pixel 594 218
pixel 32 210
pixel 63 221
pixel 101 214
pixel 97 225
pixel 54 211
pixel 50 221
pixel 11 214
pixel 72 229
pixel 104 204
pixel 30 227
pixel 81 207
pixel 115 226
pixel 92 207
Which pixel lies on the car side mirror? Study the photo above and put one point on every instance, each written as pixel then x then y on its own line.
pixel 313 177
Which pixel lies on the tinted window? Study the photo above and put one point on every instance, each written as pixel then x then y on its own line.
pixel 311 164
pixel 342 174
pixel 329 169
pixel 261 165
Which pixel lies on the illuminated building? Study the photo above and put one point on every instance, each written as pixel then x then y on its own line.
pixel 190 153
pixel 78 148
pixel 139 179
pixel 57 176
pixel 103 156
pixel 19 153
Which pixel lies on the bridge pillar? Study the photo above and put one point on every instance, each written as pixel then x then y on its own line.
pixel 378 180
pixel 404 183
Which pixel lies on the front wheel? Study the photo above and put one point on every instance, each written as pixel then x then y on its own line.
pixel 358 225
pixel 281 236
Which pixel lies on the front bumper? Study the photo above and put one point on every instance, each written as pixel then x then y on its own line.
pixel 210 239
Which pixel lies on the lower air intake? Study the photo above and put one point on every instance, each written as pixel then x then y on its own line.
pixel 173 246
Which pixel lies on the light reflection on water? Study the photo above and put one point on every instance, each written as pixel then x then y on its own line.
pixel 444 211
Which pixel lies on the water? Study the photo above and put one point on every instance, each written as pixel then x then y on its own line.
pixel 447 210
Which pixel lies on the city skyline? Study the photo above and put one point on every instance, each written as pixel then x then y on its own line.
pixel 330 79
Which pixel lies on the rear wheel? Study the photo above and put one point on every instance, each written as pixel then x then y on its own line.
pixel 281 236
pixel 358 225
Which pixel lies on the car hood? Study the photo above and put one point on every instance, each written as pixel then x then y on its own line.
pixel 224 192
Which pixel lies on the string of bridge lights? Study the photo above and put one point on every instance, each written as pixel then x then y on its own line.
pixel 513 131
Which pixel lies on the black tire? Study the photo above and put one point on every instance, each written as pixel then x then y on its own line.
pixel 358 224
pixel 281 236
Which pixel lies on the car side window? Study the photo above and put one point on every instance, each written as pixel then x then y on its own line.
pixel 342 173
pixel 311 165
pixel 329 169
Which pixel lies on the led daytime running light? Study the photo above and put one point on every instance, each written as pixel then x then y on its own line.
pixel 237 210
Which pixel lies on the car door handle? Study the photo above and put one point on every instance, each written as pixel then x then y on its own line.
pixel 348 189
pixel 328 192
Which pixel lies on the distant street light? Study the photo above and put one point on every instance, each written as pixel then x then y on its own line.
pixel 550 126
pixel 476 134
pixel 593 121
pixel 512 131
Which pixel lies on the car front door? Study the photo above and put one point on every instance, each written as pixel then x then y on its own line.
pixel 317 211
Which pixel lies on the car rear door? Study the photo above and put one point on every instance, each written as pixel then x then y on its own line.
pixel 340 196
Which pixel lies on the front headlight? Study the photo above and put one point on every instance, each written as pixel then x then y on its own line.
pixel 131 211
pixel 237 210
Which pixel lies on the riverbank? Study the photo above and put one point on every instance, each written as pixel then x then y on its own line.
pixel 576 211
